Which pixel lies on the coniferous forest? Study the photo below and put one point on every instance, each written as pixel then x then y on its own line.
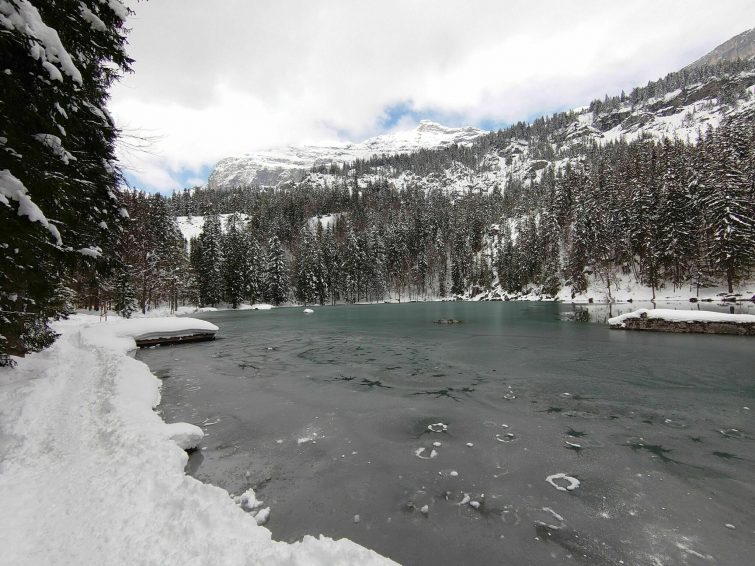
pixel 666 213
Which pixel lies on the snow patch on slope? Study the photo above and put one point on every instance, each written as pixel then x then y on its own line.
pixel 191 226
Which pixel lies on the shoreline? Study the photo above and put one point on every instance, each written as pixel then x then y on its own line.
pixel 685 322
pixel 85 456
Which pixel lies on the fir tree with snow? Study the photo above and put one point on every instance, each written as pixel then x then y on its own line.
pixel 210 261
pixel 276 273
pixel 124 299
pixel 236 266
pixel 308 273
pixel 59 207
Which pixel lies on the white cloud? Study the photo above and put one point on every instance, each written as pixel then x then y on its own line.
pixel 221 78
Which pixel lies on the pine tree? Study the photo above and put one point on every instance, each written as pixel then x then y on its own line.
pixel 352 267
pixel 331 267
pixel 210 266
pixel 308 269
pixel 59 208
pixel 124 295
pixel 254 276
pixel 376 276
pixel 276 273
pixel 396 258
pixel 235 268
pixel 677 229
pixel 731 214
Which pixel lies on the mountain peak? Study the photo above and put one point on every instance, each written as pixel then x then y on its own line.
pixel 430 125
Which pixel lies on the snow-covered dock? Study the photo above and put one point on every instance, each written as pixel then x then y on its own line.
pixel 155 331
pixel 700 322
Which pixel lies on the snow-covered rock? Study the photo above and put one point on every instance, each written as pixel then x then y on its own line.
pixel 685 321
pixel 186 435
pixel 683 316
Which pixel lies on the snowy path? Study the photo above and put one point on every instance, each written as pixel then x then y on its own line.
pixel 89 474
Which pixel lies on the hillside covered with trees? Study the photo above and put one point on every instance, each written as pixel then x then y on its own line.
pixel 666 213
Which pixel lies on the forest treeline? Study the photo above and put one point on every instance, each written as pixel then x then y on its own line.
pixel 667 213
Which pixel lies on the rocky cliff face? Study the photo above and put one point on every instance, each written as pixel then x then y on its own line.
pixel 741 46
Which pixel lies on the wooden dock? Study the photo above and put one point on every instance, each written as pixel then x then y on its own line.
pixel 147 341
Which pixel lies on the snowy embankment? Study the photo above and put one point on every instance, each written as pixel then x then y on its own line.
pixel 623 289
pixel 90 474
pixel 668 320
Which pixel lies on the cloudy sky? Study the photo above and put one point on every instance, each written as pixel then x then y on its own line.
pixel 220 78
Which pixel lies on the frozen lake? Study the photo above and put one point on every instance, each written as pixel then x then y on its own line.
pixel 378 412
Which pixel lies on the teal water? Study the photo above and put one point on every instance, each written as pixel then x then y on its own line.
pixel 326 416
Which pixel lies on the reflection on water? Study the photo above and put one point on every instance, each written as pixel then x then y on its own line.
pixel 517 437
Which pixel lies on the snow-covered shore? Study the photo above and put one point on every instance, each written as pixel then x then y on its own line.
pixel 624 289
pixel 90 474
pixel 669 320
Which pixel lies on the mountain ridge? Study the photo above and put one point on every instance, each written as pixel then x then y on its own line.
pixel 274 166
pixel 678 106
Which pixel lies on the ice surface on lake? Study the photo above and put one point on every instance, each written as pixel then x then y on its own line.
pixel 653 427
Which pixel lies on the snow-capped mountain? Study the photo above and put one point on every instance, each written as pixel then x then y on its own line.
pixel 524 153
pixel 274 166
pixel 679 106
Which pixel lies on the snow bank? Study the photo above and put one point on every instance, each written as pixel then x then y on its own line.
pixel 683 316
pixel 90 474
